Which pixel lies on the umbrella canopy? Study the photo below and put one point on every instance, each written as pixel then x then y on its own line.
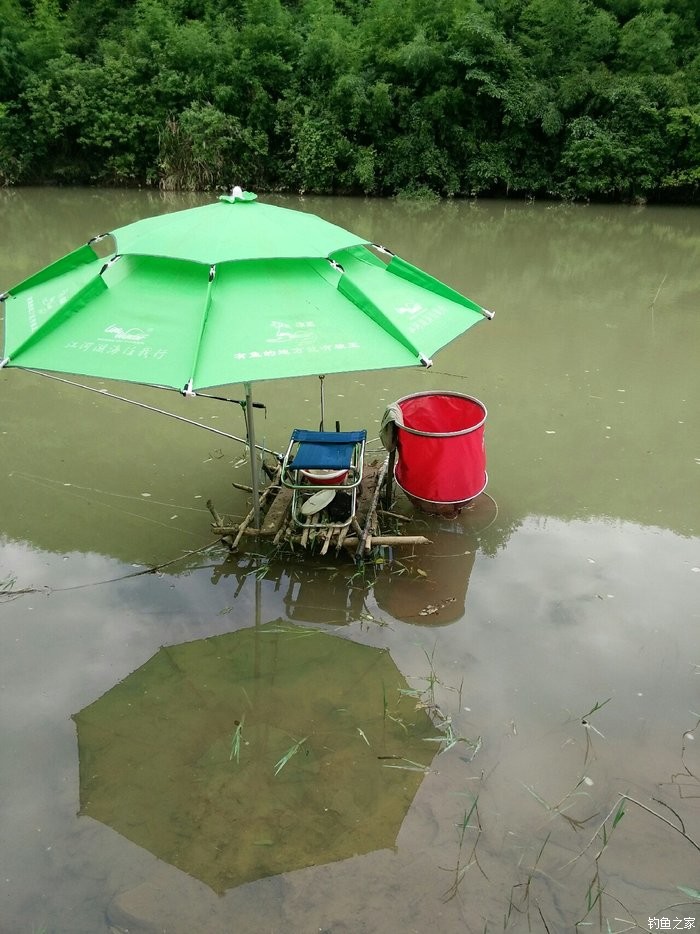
pixel 255 753
pixel 234 291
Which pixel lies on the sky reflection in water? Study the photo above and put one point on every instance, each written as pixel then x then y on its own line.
pixel 569 614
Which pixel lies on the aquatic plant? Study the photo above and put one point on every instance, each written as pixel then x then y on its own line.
pixel 461 867
pixel 236 740
pixel 289 754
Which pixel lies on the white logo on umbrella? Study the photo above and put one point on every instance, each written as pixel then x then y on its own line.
pixel 122 334
pixel 299 331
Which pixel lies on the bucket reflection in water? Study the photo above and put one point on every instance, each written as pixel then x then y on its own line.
pixel 441 462
pixel 439 598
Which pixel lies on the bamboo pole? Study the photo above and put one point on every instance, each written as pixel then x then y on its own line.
pixel 352 542
pixel 241 486
pixel 393 515
pixel 341 538
pixel 371 515
pixel 243 527
pixel 279 534
pixel 332 529
pixel 215 515
pixel 389 479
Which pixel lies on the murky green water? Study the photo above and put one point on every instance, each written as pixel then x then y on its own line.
pixel 577 585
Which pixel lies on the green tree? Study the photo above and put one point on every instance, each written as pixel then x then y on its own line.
pixel 573 98
pixel 682 133
pixel 204 148
pixel 647 44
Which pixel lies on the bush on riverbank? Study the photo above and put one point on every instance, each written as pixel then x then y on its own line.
pixel 568 98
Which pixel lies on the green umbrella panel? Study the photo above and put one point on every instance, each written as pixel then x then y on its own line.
pixel 256 753
pixel 231 292
pixel 254 299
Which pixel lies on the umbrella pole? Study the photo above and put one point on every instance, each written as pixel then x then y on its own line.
pixel 323 413
pixel 253 456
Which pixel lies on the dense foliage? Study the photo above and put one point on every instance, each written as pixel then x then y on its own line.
pixel 572 98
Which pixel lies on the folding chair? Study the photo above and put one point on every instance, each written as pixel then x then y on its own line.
pixel 323 460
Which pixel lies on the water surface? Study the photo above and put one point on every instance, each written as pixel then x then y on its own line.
pixel 574 588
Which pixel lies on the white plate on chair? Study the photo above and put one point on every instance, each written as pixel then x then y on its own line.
pixel 317 502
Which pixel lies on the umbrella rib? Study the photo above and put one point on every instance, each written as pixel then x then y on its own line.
pixel 188 388
pixel 404 270
pixel 364 303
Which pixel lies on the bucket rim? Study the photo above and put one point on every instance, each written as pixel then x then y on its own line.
pixel 443 434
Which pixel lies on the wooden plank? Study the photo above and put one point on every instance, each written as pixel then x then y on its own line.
pixel 277 512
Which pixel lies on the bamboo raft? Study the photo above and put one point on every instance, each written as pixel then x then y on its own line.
pixel 361 536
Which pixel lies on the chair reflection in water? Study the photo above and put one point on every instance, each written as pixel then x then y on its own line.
pixel 328 466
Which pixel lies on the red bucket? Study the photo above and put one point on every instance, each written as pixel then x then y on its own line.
pixel 324 477
pixel 441 463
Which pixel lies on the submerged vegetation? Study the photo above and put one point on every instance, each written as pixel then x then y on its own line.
pixel 572 847
pixel 568 98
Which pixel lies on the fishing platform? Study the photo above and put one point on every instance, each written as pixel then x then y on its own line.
pixel 322 532
pixel 325 494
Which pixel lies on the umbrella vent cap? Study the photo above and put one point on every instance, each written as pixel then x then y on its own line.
pixel 237 194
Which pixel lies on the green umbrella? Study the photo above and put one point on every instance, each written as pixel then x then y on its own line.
pixel 231 292
pixel 255 753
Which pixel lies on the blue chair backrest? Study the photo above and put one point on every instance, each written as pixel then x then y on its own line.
pixel 325 450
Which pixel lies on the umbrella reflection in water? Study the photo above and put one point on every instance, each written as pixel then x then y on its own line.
pixel 255 753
